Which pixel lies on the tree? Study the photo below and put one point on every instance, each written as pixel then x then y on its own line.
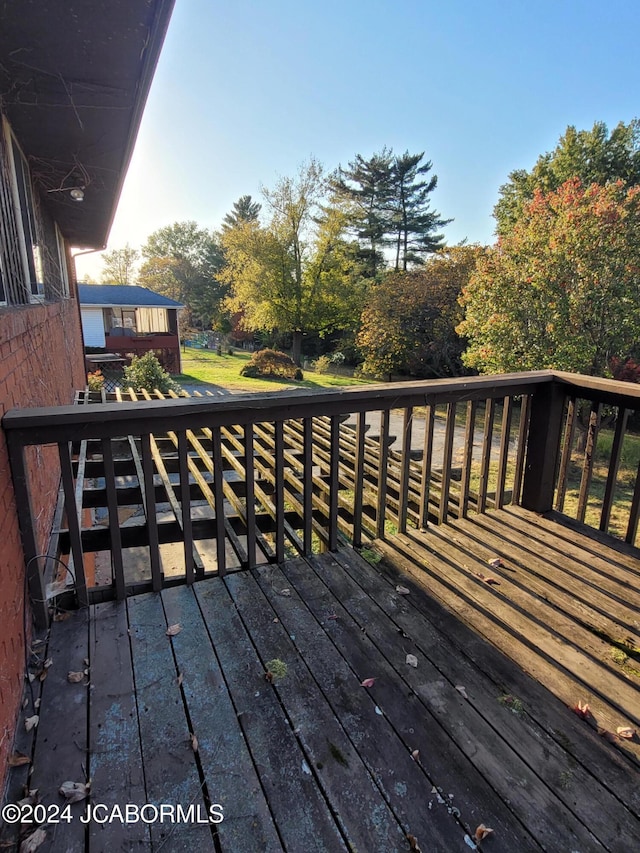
pixel 295 274
pixel 386 201
pixel 244 210
pixel 182 261
pixel 119 265
pixel 408 324
pixel 593 156
pixel 560 290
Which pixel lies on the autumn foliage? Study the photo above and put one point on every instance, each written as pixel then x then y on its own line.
pixel 560 290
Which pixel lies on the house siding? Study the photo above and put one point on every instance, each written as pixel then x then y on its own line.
pixel 93 327
pixel 41 364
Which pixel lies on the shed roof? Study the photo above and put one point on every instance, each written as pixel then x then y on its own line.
pixel 106 295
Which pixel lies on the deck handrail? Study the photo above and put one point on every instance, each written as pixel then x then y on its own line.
pixel 316 478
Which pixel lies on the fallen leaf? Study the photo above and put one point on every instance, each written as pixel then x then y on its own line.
pixel 378 711
pixel 269 677
pixel 332 616
pixel 180 679
pixel 368 682
pixel 42 674
pixel 415 754
pixel 31 722
pixel 194 741
pixel 276 619
pixel 172 630
pixel 30 798
pixel 412 660
pixel 36 704
pixel 286 592
pixel 86 661
pixel 462 691
pixel 61 617
pixel 492 581
pixel 582 709
pixel 402 590
pixel 413 843
pixel 31 844
pixel 48 663
pixel 17 759
pixel 625 732
pixel 74 792
pixel 481 832
pixel 75 677
pixel 495 563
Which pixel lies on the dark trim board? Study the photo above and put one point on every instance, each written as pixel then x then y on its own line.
pixel 315 760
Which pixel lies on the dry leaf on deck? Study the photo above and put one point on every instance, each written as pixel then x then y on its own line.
pixel 415 754
pixel 495 563
pixel 412 660
pixel 607 735
pixel 286 592
pixel 75 677
pixel 48 663
pixel 481 832
pixel 180 679
pixel 413 843
pixel 74 792
pixel 582 709
pixel 31 722
pixel 172 630
pixel 402 590
pixel 368 682
pixel 31 844
pixel 626 732
pixel 18 759
pixel 194 741
pixel 462 691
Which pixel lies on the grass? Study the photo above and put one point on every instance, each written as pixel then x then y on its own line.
pixel 204 367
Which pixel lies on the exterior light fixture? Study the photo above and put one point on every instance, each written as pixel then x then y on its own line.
pixel 77 194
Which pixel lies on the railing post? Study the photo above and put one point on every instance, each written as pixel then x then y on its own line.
pixel 543 447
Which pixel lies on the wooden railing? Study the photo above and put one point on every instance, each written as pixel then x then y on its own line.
pixel 267 476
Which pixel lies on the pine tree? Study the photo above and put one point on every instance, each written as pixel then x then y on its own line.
pixel 244 210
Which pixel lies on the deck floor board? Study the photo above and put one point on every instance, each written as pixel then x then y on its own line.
pixel 315 760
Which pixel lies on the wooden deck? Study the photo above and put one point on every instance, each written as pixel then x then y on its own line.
pixel 316 761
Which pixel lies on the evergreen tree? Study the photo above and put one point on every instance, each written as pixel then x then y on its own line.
pixel 244 210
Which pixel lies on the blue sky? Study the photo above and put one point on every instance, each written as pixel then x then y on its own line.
pixel 246 91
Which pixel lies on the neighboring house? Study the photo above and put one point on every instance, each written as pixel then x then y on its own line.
pixel 129 320
pixel 73 83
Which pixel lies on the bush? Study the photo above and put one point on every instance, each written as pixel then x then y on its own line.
pixel 322 364
pixel 95 380
pixel 269 362
pixel 147 372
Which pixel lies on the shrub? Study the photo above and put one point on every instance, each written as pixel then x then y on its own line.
pixel 322 364
pixel 95 380
pixel 269 362
pixel 147 372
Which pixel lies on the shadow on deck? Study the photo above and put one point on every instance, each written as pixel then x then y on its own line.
pixel 478 732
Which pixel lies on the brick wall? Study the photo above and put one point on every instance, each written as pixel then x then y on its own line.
pixel 41 364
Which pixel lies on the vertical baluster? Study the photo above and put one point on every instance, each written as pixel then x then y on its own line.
pixel 445 487
pixel 307 483
pixel 486 455
pixel 359 480
pixel 425 473
pixel 503 458
pixel 27 533
pixel 565 457
pixel 589 458
pixel 279 494
pixel 465 480
pixel 383 457
pixel 334 461
pixel 114 521
pixel 73 520
pixel 218 495
pixel 157 578
pixel 523 432
pixel 185 505
pixel 250 507
pixel 614 465
pixel 634 513
pixel 405 467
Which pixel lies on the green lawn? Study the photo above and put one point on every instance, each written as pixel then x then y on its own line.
pixel 205 367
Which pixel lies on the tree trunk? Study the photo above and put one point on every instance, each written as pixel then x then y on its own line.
pixel 297 347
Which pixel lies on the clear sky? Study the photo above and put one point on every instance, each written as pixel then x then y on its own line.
pixel 247 90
